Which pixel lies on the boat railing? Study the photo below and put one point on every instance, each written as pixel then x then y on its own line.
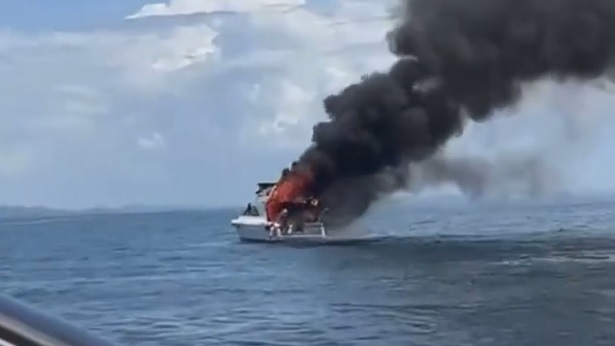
pixel 22 325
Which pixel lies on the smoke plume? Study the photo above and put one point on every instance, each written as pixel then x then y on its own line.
pixel 458 60
pixel 522 173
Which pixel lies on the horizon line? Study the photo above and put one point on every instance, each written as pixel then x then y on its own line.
pixel 126 207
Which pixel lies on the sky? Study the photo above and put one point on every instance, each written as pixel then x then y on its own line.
pixel 191 102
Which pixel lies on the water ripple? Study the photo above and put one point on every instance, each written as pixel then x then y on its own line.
pixel 516 275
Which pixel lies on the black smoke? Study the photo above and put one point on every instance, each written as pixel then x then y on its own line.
pixel 457 60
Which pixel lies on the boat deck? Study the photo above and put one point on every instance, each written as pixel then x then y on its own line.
pixel 258 229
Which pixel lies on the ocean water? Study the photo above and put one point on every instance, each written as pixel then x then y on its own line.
pixel 459 273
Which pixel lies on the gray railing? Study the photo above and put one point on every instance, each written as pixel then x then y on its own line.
pixel 21 325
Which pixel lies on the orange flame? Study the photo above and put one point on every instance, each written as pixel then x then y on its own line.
pixel 290 189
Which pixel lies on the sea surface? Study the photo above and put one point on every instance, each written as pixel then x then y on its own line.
pixel 439 273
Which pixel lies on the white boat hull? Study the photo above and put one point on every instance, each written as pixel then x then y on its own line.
pixel 258 229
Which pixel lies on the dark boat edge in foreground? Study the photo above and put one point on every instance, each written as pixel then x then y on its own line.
pixel 22 325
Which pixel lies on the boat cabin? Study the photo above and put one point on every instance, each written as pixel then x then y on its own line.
pixel 257 206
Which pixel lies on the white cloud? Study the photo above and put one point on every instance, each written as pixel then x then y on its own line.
pixel 185 7
pixel 167 110
pixel 151 142
pixel 110 112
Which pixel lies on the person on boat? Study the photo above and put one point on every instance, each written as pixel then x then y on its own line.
pixel 313 210
pixel 283 222
pixel 250 210
pixel 295 215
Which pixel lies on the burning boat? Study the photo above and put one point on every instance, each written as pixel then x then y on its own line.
pixel 281 211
